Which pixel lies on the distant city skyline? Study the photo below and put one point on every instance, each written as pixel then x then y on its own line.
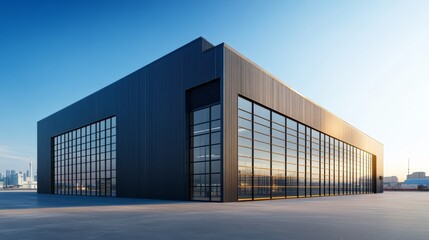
pixel 3 172
pixel 17 157
pixel 365 61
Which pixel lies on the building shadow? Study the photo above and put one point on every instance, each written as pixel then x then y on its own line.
pixel 29 200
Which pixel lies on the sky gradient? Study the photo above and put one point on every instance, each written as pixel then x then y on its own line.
pixel 365 61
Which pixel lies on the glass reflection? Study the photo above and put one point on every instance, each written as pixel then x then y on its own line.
pixel 84 160
pixel 278 161
pixel 205 157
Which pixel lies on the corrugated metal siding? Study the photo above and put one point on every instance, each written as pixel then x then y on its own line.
pixel 203 95
pixel 243 77
pixel 150 105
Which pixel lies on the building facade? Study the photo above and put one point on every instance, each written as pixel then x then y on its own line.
pixel 391 179
pixel 203 123
pixel 416 175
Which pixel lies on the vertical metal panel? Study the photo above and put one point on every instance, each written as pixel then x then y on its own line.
pixel 150 105
pixel 246 78
pixel 203 95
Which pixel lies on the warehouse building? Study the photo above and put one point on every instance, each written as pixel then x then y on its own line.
pixel 203 123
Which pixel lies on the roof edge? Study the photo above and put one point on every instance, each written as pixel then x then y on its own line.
pixel 205 46
pixel 283 83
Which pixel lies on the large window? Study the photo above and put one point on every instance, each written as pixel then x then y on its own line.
pixel 279 157
pixel 205 154
pixel 84 160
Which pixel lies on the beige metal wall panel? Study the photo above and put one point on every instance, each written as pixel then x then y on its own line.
pixel 243 77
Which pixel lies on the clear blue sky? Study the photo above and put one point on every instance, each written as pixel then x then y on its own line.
pixel 365 61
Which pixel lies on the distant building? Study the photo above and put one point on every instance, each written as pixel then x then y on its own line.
pixel 17 179
pixel 8 178
pixel 392 179
pixel 391 183
pixel 421 182
pixel 416 175
pixel 407 187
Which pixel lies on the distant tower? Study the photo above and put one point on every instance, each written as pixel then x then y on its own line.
pixel 408 166
pixel 31 173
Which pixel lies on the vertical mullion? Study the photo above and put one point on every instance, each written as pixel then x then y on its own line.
pixel 308 162
pixel 356 167
pixel 91 171
pixel 191 163
pixel 99 160
pixel 330 165
pixel 320 165
pixel 335 161
pixel 68 164
pixel 342 167
pixel 271 156
pixel 285 158
pixel 53 166
pixel 253 153
pixel 100 180
pixel 108 128
pixel 81 158
pixel 321 191
pixel 210 154
pixel 221 153
pixel 297 160
pixel 74 170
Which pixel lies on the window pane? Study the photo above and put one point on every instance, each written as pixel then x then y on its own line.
pixel 244 123
pixel 279 119
pixel 244 161
pixel 215 138
pixel 261 111
pixel 244 114
pixel 200 116
pixel 215 166
pixel 215 112
pixel 261 121
pixel 244 132
pixel 200 154
pixel 215 125
pixel 215 152
pixel 200 129
pixel 201 167
pixel 244 142
pixel 244 104
pixel 200 140
pixel 261 129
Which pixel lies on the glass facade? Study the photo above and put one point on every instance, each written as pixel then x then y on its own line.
pixel 84 160
pixel 279 157
pixel 205 154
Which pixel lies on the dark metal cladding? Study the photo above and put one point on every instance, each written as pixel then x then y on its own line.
pixel 150 106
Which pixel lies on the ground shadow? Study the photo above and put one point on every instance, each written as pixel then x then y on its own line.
pixel 28 200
